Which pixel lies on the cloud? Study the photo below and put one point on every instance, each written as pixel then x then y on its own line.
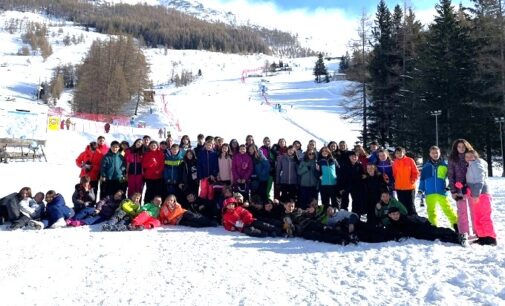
pixel 321 29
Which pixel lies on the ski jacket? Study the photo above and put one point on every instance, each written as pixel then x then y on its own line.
pixel 153 163
pixel 171 175
pixel 30 208
pixel 457 172
pixel 242 167
pixel 286 170
pixel 108 206
pixel 232 216
pixel 152 209
pixel 57 209
pixel 433 177
pixel 130 207
pixel 82 198
pixel 382 213
pixel 386 169
pixel 261 168
pixel 339 216
pixel 329 171
pixel 405 173
pixel 171 216
pixel 309 176
pixel 89 161
pixel 113 166
pixel 224 165
pixel 134 161
pixel 207 164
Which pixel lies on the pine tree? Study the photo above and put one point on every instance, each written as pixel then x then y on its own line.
pixel 320 68
pixel 57 86
pixel 344 63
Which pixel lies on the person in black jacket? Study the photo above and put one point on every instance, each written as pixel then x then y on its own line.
pixel 84 195
pixel 373 185
pixel 413 226
pixel 10 207
pixel 189 175
pixel 353 175
pixel 306 224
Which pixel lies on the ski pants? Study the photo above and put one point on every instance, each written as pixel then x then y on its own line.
pixel 431 202
pixel 481 216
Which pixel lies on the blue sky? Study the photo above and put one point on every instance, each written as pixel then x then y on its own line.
pixel 350 6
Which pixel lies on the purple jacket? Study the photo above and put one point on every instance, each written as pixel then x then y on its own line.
pixel 457 172
pixel 241 167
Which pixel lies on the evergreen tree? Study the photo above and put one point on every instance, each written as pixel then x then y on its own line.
pixel 448 65
pixel 344 63
pixel 320 68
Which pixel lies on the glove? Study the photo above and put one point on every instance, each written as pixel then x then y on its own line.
pixel 239 224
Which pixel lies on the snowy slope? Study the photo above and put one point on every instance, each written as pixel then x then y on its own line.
pixel 182 266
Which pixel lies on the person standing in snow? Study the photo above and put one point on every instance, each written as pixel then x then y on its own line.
pixel 406 174
pixel 133 158
pixel 432 183
pixel 153 163
pixel 112 171
pixel 480 200
pixel 89 161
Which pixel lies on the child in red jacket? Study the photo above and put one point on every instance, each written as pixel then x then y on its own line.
pixel 236 218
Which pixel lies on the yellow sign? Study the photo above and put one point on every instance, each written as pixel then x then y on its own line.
pixel 53 124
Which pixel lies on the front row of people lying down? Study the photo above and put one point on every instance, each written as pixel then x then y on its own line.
pixel 270 219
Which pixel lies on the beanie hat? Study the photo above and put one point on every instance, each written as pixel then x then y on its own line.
pixel 229 201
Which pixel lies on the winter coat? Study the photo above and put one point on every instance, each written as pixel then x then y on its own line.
pixel 207 164
pixel 189 175
pixel 31 209
pixel 261 169
pixel 103 149
pixel 405 173
pixel 303 221
pixel 457 172
pixel 476 176
pixel 57 209
pixel 330 169
pixel 152 209
pixel 382 213
pixel 433 177
pixel 343 158
pixel 224 165
pixel 309 176
pixel 232 216
pixel 134 161
pixel 82 198
pixel 171 174
pixel 171 216
pixel 242 167
pixel 386 169
pixel 353 177
pixel 373 159
pixel 108 206
pixel 113 167
pixel 89 161
pixel 286 170
pixel 11 202
pixel 363 159
pixel 372 188
pixel 420 228
pixel 153 164
pixel 130 207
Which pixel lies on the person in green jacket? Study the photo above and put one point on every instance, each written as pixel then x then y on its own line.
pixel 387 202
pixel 148 215
pixel 112 171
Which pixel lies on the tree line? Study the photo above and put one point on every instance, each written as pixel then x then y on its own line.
pixel 409 77
pixel 161 26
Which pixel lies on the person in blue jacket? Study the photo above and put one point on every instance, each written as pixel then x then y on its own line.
pixel 433 184
pixel 57 212
pixel 171 173
pixel 207 166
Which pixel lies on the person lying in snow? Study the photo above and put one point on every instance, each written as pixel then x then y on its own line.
pixel 237 218
pixel 412 226
pixel 128 209
pixel 172 213
pixel 148 216
pixel 307 224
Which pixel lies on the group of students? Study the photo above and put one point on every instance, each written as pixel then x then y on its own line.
pixel 231 184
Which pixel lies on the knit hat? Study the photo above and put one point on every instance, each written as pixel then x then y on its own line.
pixel 393 209
pixel 229 201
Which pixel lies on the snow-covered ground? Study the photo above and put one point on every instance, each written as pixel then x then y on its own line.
pixel 182 266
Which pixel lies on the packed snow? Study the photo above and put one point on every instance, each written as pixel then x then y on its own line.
pixel 183 266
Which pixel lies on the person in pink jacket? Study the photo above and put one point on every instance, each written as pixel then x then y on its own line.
pixel 242 168
pixel 133 157
pixel 478 194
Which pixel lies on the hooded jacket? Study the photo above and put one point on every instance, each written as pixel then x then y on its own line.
pixel 113 166
pixel 433 177
pixel 171 216
pixel 89 161
pixel 241 167
pixel 153 164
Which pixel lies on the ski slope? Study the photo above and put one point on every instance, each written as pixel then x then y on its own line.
pixel 182 266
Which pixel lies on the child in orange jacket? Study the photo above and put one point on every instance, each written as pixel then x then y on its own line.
pixel 172 213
